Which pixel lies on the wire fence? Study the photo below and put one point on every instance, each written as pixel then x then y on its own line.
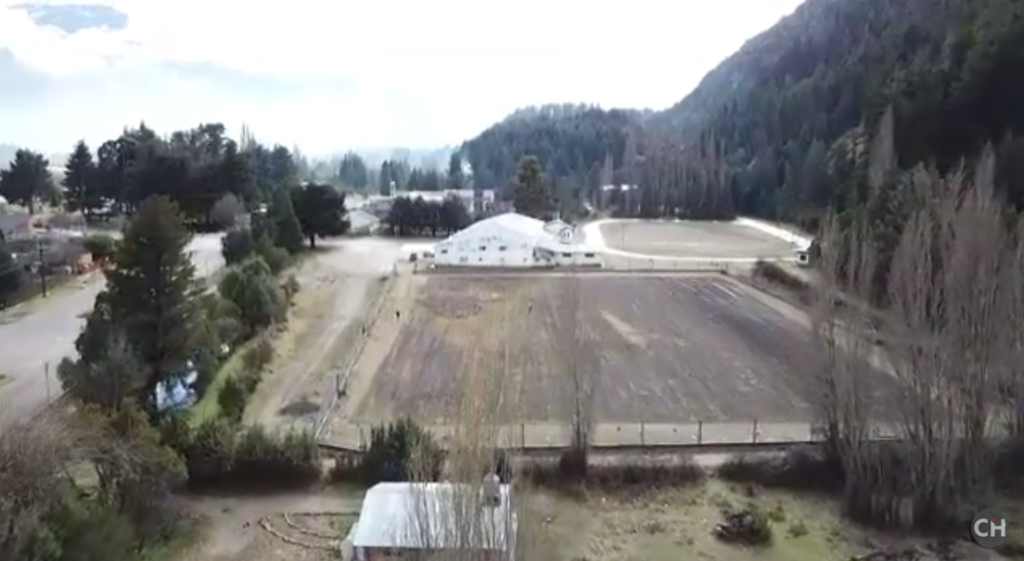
pixel 540 436
pixel 339 381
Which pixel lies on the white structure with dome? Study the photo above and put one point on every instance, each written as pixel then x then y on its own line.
pixel 514 240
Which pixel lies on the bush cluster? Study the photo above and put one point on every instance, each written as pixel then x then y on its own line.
pixel 237 389
pixel 220 455
pixel 100 246
pixel 774 273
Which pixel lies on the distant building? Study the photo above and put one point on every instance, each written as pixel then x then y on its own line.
pixel 362 221
pixel 515 240
pixel 415 520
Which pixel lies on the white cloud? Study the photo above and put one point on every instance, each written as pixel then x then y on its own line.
pixel 364 73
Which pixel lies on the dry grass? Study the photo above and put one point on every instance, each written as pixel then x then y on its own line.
pixel 674 523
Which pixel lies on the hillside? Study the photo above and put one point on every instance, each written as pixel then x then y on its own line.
pixel 568 140
pixel 786 111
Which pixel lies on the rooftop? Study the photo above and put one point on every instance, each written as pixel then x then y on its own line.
pixel 433 516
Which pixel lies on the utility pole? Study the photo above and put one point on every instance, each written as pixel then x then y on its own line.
pixel 42 266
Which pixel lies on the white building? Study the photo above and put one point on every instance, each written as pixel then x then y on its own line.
pixel 418 519
pixel 514 240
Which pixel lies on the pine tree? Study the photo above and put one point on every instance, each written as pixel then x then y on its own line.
pixel 80 190
pixel 287 230
pixel 531 197
pixel 153 293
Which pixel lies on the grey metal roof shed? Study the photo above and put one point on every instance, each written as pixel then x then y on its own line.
pixel 436 516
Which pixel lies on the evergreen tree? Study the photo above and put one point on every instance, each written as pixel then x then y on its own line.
pixel 81 192
pixel 287 230
pixel 153 293
pixel 320 210
pixel 531 196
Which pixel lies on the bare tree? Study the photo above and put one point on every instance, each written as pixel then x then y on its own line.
pixel 945 346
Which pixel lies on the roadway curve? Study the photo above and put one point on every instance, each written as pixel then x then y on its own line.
pixel 43 332
pixel 595 238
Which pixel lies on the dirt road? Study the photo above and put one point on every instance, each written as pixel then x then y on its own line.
pixel 338 288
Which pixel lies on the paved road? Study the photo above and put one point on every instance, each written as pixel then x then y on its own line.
pixel 44 333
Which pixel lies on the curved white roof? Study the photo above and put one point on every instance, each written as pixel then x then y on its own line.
pixel 556 236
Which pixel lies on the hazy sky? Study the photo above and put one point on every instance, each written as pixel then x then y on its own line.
pixel 332 75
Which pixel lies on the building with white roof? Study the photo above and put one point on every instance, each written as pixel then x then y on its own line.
pixel 515 240
pixel 398 519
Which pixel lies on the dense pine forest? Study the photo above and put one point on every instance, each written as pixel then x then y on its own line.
pixel 781 128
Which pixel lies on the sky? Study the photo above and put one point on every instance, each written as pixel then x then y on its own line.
pixel 328 76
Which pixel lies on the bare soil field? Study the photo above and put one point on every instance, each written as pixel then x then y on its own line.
pixel 668 349
pixel 705 240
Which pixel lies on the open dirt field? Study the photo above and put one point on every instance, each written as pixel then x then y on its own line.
pixel 666 349
pixel 704 240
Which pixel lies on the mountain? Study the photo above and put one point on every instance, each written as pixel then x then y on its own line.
pixel 788 114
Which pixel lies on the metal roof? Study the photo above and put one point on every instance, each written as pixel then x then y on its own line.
pixel 434 516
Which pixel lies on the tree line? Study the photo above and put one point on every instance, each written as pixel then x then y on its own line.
pixel 397 175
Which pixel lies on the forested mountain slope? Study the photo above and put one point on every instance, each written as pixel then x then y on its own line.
pixel 952 70
pixel 789 115
pixel 567 139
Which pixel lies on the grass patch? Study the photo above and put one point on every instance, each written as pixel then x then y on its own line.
pixel 659 524
pixel 208 406
pixel 4 379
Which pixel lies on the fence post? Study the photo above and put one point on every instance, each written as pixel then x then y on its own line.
pixel 522 436
pixel 700 432
pixel 754 435
pixel 362 446
pixel 643 441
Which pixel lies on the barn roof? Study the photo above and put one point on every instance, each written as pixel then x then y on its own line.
pixel 433 516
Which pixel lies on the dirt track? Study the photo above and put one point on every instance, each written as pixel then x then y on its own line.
pixel 659 349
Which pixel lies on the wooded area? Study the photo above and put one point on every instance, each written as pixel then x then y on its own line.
pixel 792 112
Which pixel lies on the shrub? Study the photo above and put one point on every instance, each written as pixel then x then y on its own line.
pixel 805 468
pixel 263 459
pixel 773 272
pixel 101 246
pixel 219 455
pixel 674 470
pixel 275 257
pixel 258 356
pixel 210 454
pixel 232 398
pixel 252 289
pixel 400 451
pixel 237 245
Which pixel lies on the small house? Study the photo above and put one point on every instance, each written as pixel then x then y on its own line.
pixel 417 519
